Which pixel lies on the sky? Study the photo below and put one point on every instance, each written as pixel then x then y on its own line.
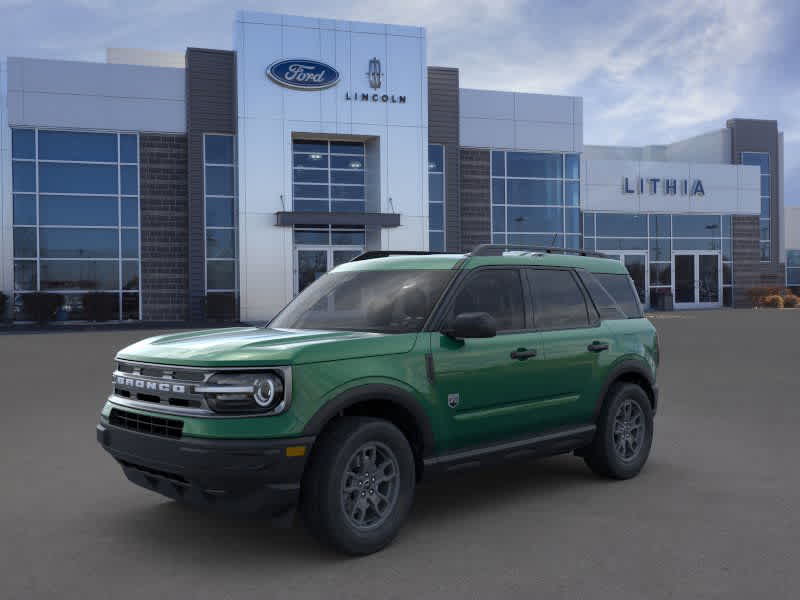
pixel 649 72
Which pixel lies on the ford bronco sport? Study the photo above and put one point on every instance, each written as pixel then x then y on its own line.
pixel 388 369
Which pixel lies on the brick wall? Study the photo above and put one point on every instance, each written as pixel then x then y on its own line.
pixel 476 216
pixel 165 230
pixel 748 271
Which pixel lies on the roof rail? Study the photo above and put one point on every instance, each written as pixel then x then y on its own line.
pixel 499 249
pixel 384 253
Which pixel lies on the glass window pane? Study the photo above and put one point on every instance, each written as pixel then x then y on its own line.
pixel 727 249
pixel 436 241
pixel 727 273
pixel 763 229
pixel 621 243
pixel 531 164
pixel 220 243
pixel 219 181
pixel 588 224
pixel 347 148
pixel 77 210
pixel 348 206
pixel 219 149
pixel 793 277
pixel 572 220
pixel 573 166
pixel 498 218
pixel 660 249
pixel 129 180
pixel 77 179
pixel 24 209
pixel 219 212
pixel 311 237
pixel 23 143
pixel 128 148
pixel 352 177
pixel 558 301
pixel 436 216
pixel 318 161
pixel 661 274
pixel 347 192
pixel 573 242
pixel 435 158
pixel 727 226
pixel 436 187
pixel 498 191
pixel 311 205
pixel 77 145
pixel 621 289
pixel 660 226
pixel 526 191
pixel 310 146
pixel 765 208
pixel 765 185
pixel 310 191
pixel 348 238
pixel 25 242
pixel 311 175
pixel 25 275
pixel 625 225
pixel 498 163
pixel 572 189
pixel 759 159
pixel 78 243
pixel 542 239
pixel 497 292
pixel 498 238
pixel 130 274
pixel 130 307
pixel 793 258
pixel 23 176
pixel 589 244
pixel 345 162
pixel 695 244
pixel 79 275
pixel 221 274
pixel 765 251
pixel 727 297
pixel 525 219
pixel 130 212
pixel 130 243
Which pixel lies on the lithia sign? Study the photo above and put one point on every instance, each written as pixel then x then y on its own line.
pixel 306 74
pixel 667 186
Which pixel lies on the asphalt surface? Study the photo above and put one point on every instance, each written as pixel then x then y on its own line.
pixel 713 515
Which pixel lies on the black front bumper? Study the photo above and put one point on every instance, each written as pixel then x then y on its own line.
pixel 242 476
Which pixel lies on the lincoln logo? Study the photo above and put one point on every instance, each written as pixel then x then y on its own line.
pixel 301 74
pixel 374 74
pixel 153 386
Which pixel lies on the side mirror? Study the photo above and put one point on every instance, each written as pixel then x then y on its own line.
pixel 471 325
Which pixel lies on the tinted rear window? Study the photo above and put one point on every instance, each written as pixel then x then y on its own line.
pixel 558 302
pixel 606 305
pixel 621 290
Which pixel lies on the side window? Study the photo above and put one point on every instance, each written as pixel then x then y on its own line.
pixel 621 288
pixel 558 302
pixel 606 305
pixel 494 291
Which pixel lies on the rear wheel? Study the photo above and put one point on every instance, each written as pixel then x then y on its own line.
pixel 624 433
pixel 359 485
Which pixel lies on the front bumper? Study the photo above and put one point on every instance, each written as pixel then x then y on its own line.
pixel 241 476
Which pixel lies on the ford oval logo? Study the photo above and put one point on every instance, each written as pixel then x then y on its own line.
pixel 303 74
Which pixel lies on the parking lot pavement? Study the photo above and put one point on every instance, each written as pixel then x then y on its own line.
pixel 714 514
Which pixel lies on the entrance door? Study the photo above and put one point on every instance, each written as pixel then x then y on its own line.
pixel 311 263
pixel 697 279
pixel 636 263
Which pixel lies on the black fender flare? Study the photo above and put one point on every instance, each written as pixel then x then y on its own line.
pixel 623 368
pixel 379 392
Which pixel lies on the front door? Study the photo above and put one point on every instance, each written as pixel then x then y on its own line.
pixel 697 279
pixel 311 263
pixel 636 263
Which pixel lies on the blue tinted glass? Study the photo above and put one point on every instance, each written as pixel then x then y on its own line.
pixel 573 166
pixel 759 159
pixel 793 258
pixel 498 238
pixel 621 244
pixel 347 192
pixel 588 243
pixel 530 164
pixel 765 207
pixel 24 275
pixel 80 275
pixel 74 145
pixel 130 243
pixel 527 191
pixel 626 225
pixel 78 243
pixel 348 238
pixel 311 237
pixel 347 148
pixel 498 191
pixel 436 188
pixel 129 180
pixel 727 226
pixel 695 244
pixel 130 307
pixel 436 241
pixel 696 225
pixel 588 224
pixel 220 243
pixel 313 175
pixel 130 275
pixel 572 217
pixel 77 179
pixel 219 212
pixel 320 161
pixel 660 249
pixel 24 209
pixel 765 185
pixel 219 181
pixel 573 242
pixel 523 219
pixel 348 206
pixel 219 149
pixel 727 249
pixel 435 158
pixel 660 226
pixel 130 212
pixel 572 190
pixel 436 216
pixel 311 205
pixel 542 239
pixel 352 177
pixel 23 144
pixel 128 149
pixel 221 274
pixel 498 218
pixel 23 176
pixel 25 242
pixel 793 277
pixel 766 251
pixel 310 191
pixel 340 162
pixel 763 229
pixel 77 210
pixel 309 146
pixel 498 163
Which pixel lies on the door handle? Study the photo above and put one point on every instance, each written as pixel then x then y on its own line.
pixel 523 354
pixel 596 346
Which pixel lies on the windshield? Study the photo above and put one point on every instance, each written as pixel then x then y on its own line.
pixel 397 301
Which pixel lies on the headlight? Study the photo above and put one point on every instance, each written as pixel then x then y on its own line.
pixel 243 393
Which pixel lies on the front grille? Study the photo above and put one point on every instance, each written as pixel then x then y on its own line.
pixel 172 428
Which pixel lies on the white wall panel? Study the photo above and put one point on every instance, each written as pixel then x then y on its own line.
pixel 486 133
pixel 486 104
pixel 540 135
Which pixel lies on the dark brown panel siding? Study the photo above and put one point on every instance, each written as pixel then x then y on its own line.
pixel 746 254
pixel 476 217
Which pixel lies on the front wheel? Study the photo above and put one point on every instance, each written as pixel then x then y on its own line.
pixel 624 433
pixel 359 485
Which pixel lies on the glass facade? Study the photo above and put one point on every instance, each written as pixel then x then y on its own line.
pixel 328 176
pixel 793 269
pixel 76 219
pixel 761 160
pixel 536 198
pixel 219 158
pixel 436 198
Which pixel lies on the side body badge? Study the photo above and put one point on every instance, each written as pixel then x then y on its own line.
pixel 453 400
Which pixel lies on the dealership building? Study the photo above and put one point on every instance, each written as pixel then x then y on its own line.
pixel 218 184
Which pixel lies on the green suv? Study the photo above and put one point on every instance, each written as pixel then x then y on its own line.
pixel 391 368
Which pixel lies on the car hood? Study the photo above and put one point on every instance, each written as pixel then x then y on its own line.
pixel 256 346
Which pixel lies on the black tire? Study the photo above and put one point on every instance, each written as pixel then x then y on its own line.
pixel 328 508
pixel 607 455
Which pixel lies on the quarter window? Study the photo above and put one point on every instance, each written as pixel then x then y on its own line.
pixel 558 302
pixel 621 289
pixel 494 291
